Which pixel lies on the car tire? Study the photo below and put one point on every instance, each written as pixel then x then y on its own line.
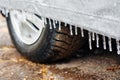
pixel 51 45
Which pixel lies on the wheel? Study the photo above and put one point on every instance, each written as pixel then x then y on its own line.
pixel 34 40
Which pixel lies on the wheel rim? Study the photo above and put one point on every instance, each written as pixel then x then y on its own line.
pixel 28 27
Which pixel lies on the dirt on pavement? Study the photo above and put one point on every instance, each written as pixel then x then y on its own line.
pixel 102 66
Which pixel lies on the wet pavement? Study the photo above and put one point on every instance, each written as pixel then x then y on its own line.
pixel 13 66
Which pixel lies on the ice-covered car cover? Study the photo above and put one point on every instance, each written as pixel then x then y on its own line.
pixel 96 16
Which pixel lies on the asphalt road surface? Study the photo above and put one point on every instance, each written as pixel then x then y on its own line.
pixel 101 66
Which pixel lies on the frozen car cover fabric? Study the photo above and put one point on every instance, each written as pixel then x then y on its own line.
pixel 99 16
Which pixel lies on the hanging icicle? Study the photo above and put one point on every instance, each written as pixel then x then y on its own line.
pixel 71 30
pixel 90 40
pixel 110 44
pixel 97 40
pixel 93 36
pixel 76 30
pixel 3 11
pixel 59 26
pixel 45 20
pixel 54 23
pixel 104 42
pixel 50 24
pixel 82 32
pixel 6 12
pixel 118 46
pixel 65 24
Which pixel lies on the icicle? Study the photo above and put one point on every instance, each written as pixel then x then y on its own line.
pixel 118 47
pixel 104 42
pixel 110 44
pixel 82 32
pixel 45 20
pixel 90 40
pixel 54 23
pixel 71 31
pixel 59 26
pixel 97 40
pixel 3 11
pixel 93 36
pixel 50 23
pixel 65 24
pixel 6 12
pixel 76 30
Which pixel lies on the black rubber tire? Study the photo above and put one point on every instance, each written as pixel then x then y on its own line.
pixel 51 46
